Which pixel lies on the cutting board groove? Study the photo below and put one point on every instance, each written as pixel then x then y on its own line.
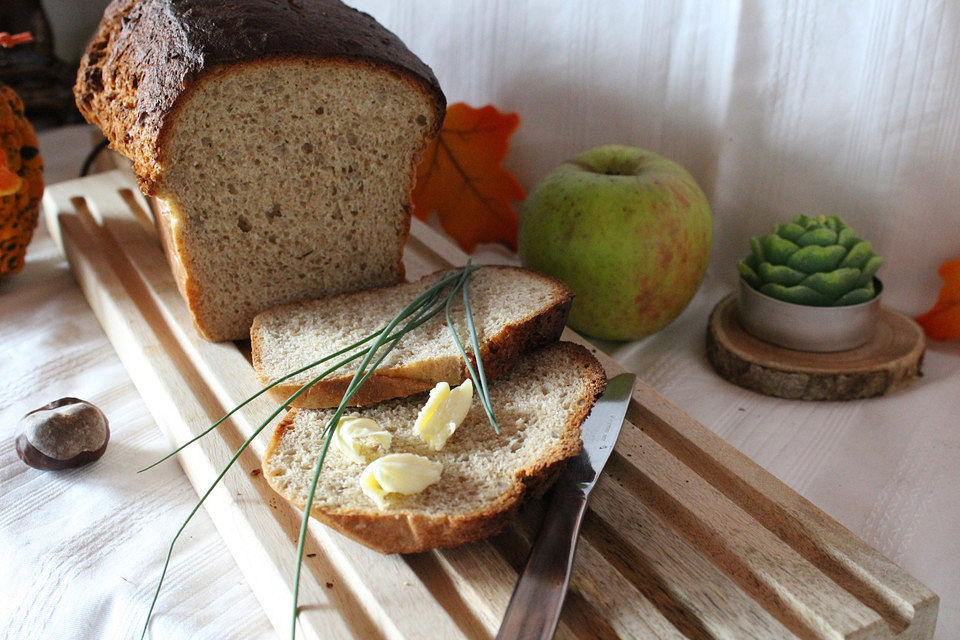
pixel 856 567
pixel 685 538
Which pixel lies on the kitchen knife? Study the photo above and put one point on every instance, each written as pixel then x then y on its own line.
pixel 534 608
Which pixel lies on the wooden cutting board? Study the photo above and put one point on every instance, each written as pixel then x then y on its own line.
pixel 686 537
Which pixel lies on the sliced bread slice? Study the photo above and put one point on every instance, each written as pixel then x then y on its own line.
pixel 514 310
pixel 539 406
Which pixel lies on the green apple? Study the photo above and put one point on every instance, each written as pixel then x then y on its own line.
pixel 627 230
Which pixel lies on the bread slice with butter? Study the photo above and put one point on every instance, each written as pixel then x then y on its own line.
pixel 539 406
pixel 514 310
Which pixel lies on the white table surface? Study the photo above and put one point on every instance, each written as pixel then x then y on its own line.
pixel 81 549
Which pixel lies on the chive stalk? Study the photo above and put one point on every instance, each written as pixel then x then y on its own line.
pixel 478 377
pixel 422 309
pixel 434 290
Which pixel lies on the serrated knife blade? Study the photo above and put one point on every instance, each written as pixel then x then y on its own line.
pixel 534 608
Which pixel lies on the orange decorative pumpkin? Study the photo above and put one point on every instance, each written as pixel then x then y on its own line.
pixel 21 182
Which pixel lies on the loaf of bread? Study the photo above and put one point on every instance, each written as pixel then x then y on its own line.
pixel 514 311
pixel 539 406
pixel 280 139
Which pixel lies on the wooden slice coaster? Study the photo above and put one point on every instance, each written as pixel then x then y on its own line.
pixel 888 362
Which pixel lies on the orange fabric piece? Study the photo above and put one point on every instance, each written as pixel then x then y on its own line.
pixel 461 177
pixel 942 322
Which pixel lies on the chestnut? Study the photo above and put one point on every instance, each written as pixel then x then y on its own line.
pixel 66 433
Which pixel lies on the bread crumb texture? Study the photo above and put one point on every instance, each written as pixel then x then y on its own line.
pixel 514 311
pixel 291 180
pixel 539 406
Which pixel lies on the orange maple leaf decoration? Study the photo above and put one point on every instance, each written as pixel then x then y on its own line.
pixel 461 179
pixel 942 322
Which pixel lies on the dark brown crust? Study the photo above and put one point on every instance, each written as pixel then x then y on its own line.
pixel 148 55
pixel 498 354
pixel 413 533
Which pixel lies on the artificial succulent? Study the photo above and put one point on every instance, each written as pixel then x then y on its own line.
pixel 813 261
